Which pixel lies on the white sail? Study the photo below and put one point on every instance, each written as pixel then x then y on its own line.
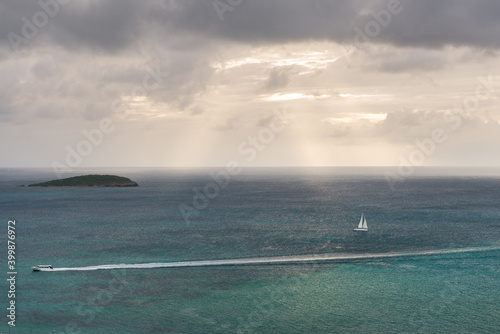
pixel 360 225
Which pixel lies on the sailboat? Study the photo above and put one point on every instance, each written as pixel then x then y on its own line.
pixel 362 226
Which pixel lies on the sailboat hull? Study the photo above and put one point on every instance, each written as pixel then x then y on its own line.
pixel 360 229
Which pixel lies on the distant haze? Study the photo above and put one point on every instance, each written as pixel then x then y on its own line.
pixel 260 82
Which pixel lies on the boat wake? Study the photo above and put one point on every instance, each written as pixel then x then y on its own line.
pixel 297 259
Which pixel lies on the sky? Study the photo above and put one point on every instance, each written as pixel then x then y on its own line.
pixel 192 83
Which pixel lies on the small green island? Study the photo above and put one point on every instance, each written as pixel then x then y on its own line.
pixel 89 181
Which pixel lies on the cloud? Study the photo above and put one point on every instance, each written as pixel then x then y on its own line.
pixel 265 121
pixel 184 38
pixel 215 76
pixel 279 77
pixel 114 26
pixel 405 126
pixel 105 25
pixel 392 59
pixel 227 125
pixel 422 23
pixel 436 24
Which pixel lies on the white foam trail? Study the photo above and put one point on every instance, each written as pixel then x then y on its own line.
pixel 275 260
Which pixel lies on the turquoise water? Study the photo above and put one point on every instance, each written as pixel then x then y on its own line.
pixel 259 213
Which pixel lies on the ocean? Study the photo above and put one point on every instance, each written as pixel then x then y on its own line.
pixel 446 222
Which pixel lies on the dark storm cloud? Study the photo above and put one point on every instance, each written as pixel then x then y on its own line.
pixel 115 25
pixel 109 25
pixel 436 23
pixel 422 23
pixel 269 21
pixel 106 25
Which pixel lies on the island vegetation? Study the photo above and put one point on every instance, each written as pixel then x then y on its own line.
pixel 89 181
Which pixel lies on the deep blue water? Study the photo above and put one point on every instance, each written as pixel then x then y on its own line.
pixel 261 212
